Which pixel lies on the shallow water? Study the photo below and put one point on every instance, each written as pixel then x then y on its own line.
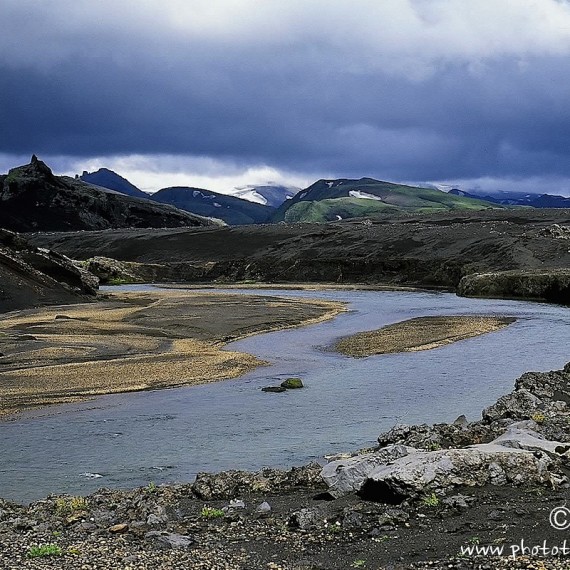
pixel 170 435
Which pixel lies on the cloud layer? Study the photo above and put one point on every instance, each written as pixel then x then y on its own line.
pixel 398 89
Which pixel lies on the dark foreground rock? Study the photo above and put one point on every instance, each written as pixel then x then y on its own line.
pixel 483 496
pixel 31 276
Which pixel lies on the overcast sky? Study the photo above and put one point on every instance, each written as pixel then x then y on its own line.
pixel 222 93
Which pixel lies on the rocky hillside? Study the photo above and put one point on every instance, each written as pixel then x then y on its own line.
pixel 432 251
pixel 329 200
pixel 234 211
pixel 31 277
pixel 33 199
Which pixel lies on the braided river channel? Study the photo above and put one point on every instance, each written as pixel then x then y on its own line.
pixel 167 436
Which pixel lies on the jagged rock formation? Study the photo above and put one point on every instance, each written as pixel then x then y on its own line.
pixel 31 276
pixel 33 199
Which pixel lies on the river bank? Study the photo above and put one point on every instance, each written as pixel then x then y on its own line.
pixel 136 341
pixel 287 519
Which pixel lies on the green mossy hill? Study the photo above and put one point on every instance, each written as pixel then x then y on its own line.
pixel 329 200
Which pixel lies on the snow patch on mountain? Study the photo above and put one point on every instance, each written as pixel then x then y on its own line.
pixel 251 195
pixel 365 195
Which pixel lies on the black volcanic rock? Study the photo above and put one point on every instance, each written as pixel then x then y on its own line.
pixel 30 276
pixel 113 181
pixel 232 210
pixel 33 199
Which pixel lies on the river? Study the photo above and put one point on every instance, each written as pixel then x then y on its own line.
pixel 164 436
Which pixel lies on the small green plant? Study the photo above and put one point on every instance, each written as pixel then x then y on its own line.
pixel 73 550
pixel 334 528
pixel 430 500
pixel 212 513
pixel 151 488
pixel 434 446
pixel 358 563
pixel 474 540
pixel 538 418
pixel 44 550
pixel 70 505
pixel 121 281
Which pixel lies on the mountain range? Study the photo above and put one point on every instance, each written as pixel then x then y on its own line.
pixel 516 198
pixel 32 198
pixel 247 205
pixel 325 200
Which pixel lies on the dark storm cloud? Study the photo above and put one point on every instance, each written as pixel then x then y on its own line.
pixel 298 98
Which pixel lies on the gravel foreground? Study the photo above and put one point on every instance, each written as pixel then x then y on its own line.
pixel 291 529
pixel 288 520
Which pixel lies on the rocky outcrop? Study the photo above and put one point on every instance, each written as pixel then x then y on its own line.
pixel 111 271
pixel 520 456
pixel 552 285
pixel 32 276
pixel 231 484
pixel 522 439
pixel 556 231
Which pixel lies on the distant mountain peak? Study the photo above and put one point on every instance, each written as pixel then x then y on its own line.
pixel 110 179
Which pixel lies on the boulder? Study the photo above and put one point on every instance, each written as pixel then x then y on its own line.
pixel 292 383
pixel 518 456
pixel 518 405
pixel 305 518
pixel 277 389
pixel 437 471
pixel 348 475
pixel 168 540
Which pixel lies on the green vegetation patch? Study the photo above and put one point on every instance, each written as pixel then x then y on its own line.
pixel 44 550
